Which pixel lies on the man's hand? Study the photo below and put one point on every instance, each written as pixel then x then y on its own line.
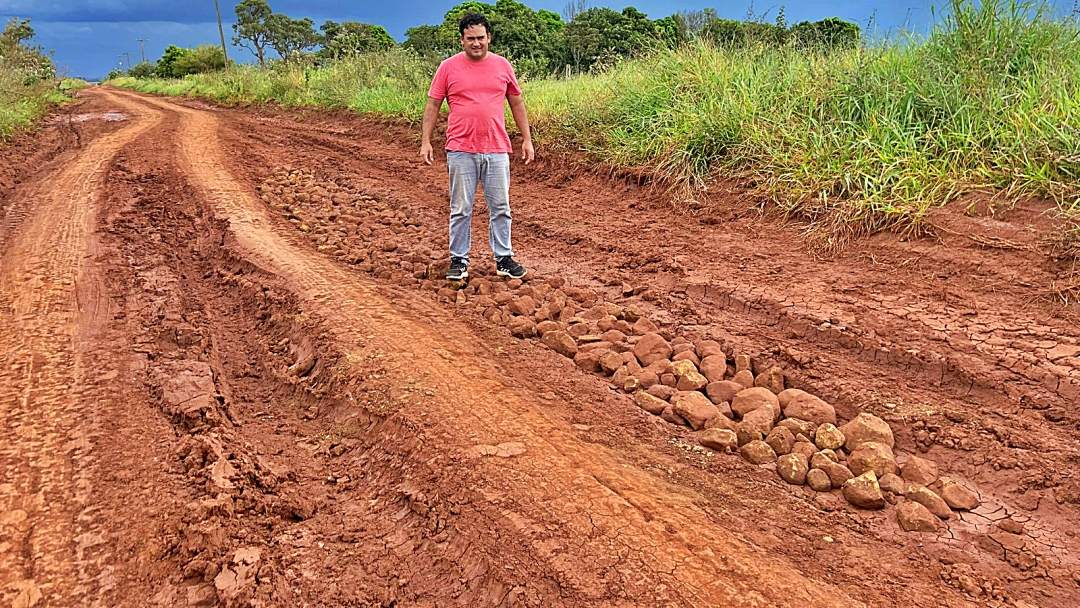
pixel 527 153
pixel 427 153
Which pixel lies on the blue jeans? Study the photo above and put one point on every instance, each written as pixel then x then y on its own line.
pixel 493 172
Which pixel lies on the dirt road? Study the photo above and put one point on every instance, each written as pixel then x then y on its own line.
pixel 225 381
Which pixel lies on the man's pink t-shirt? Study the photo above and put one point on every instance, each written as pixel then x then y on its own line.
pixel 476 92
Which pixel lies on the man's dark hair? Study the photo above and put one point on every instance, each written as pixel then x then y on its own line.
pixel 472 18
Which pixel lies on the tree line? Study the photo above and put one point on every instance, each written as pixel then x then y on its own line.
pixel 32 63
pixel 539 42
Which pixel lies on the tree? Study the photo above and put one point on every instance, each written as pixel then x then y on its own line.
pixel 290 37
pixel 351 37
pixel 827 34
pixel 199 60
pixel 145 69
pixel 252 30
pixel 425 40
pixel 165 65
pixel 603 34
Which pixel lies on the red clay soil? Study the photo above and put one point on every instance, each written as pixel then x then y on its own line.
pixel 210 400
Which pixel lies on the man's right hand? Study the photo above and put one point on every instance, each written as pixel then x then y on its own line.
pixel 427 153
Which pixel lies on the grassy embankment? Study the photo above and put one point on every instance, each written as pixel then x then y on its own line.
pixel 857 141
pixel 22 104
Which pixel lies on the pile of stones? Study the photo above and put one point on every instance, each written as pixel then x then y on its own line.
pixel 730 404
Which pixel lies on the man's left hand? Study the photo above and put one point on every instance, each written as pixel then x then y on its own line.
pixel 527 153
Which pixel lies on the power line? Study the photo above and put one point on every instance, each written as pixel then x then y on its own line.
pixel 142 45
pixel 224 52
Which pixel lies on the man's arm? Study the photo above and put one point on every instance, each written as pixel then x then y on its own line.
pixel 521 117
pixel 427 128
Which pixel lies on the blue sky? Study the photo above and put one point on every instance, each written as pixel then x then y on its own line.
pixel 89 35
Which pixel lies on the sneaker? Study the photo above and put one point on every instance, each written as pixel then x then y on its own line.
pixel 507 267
pixel 459 270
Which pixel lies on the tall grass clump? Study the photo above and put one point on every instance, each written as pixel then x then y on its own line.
pixel 389 84
pixel 860 139
pixel 24 101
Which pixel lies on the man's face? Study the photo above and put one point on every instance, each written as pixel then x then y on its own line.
pixel 475 40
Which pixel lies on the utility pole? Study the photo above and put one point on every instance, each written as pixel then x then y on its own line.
pixel 128 57
pixel 221 31
pixel 142 45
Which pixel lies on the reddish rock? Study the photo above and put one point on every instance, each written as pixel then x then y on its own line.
pixel 822 458
pixel 742 363
pixel 806 449
pixel 686 355
pixel 799 427
pixel 523 306
pixel 611 361
pixel 544 327
pixel 752 399
pixel 873 456
pixel 772 379
pixel 578 330
pixel 721 422
pixel 613 335
pixel 746 434
pixel 913 517
pixel 792 468
pixel 632 313
pixel 745 378
pixel 695 408
pixel 670 416
pixel 691 381
pixel 920 471
pixel 838 473
pixel 620 376
pixel 760 420
pixel 828 437
pixel 818 480
pixel 661 391
pixel 644 327
pixel 780 440
pixel 650 403
pixel 709 348
pixel 714 368
pixel 787 395
pixel 863 491
pixel 723 391
pixel 720 440
pixel 892 484
pixel 809 407
pixel 957 496
pixel 652 347
pixel 521 327
pixel 866 427
pixel 646 378
pixel 588 361
pixel 929 499
pixel 757 452
pixel 560 342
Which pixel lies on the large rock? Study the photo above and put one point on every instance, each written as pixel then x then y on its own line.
pixel 662 392
pixel 829 437
pixel 588 361
pixel 808 407
pixel 644 327
pixel 521 327
pixel 866 427
pixel 892 484
pixel 647 378
pixel 920 471
pixel 523 306
pixel 611 361
pixel 723 391
pixel 757 452
pixel 743 363
pixel 746 434
pixel 799 427
pixel 696 409
pixel 752 399
pixel 721 422
pixel 710 348
pixel 649 403
pixel 745 378
pixel 760 420
pixel 822 458
pixel 929 499
pixel 780 440
pixel 691 381
pixel 772 379
pixel 652 347
pixel 720 440
pixel 957 496
pixel 913 517
pixel 874 456
pixel 805 448
pixel 792 468
pixel 669 415
pixel 714 368
pixel 838 473
pixel 560 342
pixel 863 491
pixel 818 480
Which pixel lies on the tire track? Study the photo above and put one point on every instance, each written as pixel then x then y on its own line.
pixel 655 536
pixel 47 516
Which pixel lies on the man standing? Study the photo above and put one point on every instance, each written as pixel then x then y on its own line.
pixel 476 83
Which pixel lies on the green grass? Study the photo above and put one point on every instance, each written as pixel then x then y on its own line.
pixel 855 141
pixel 23 103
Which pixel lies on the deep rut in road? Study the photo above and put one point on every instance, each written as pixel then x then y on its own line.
pixel 237 416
